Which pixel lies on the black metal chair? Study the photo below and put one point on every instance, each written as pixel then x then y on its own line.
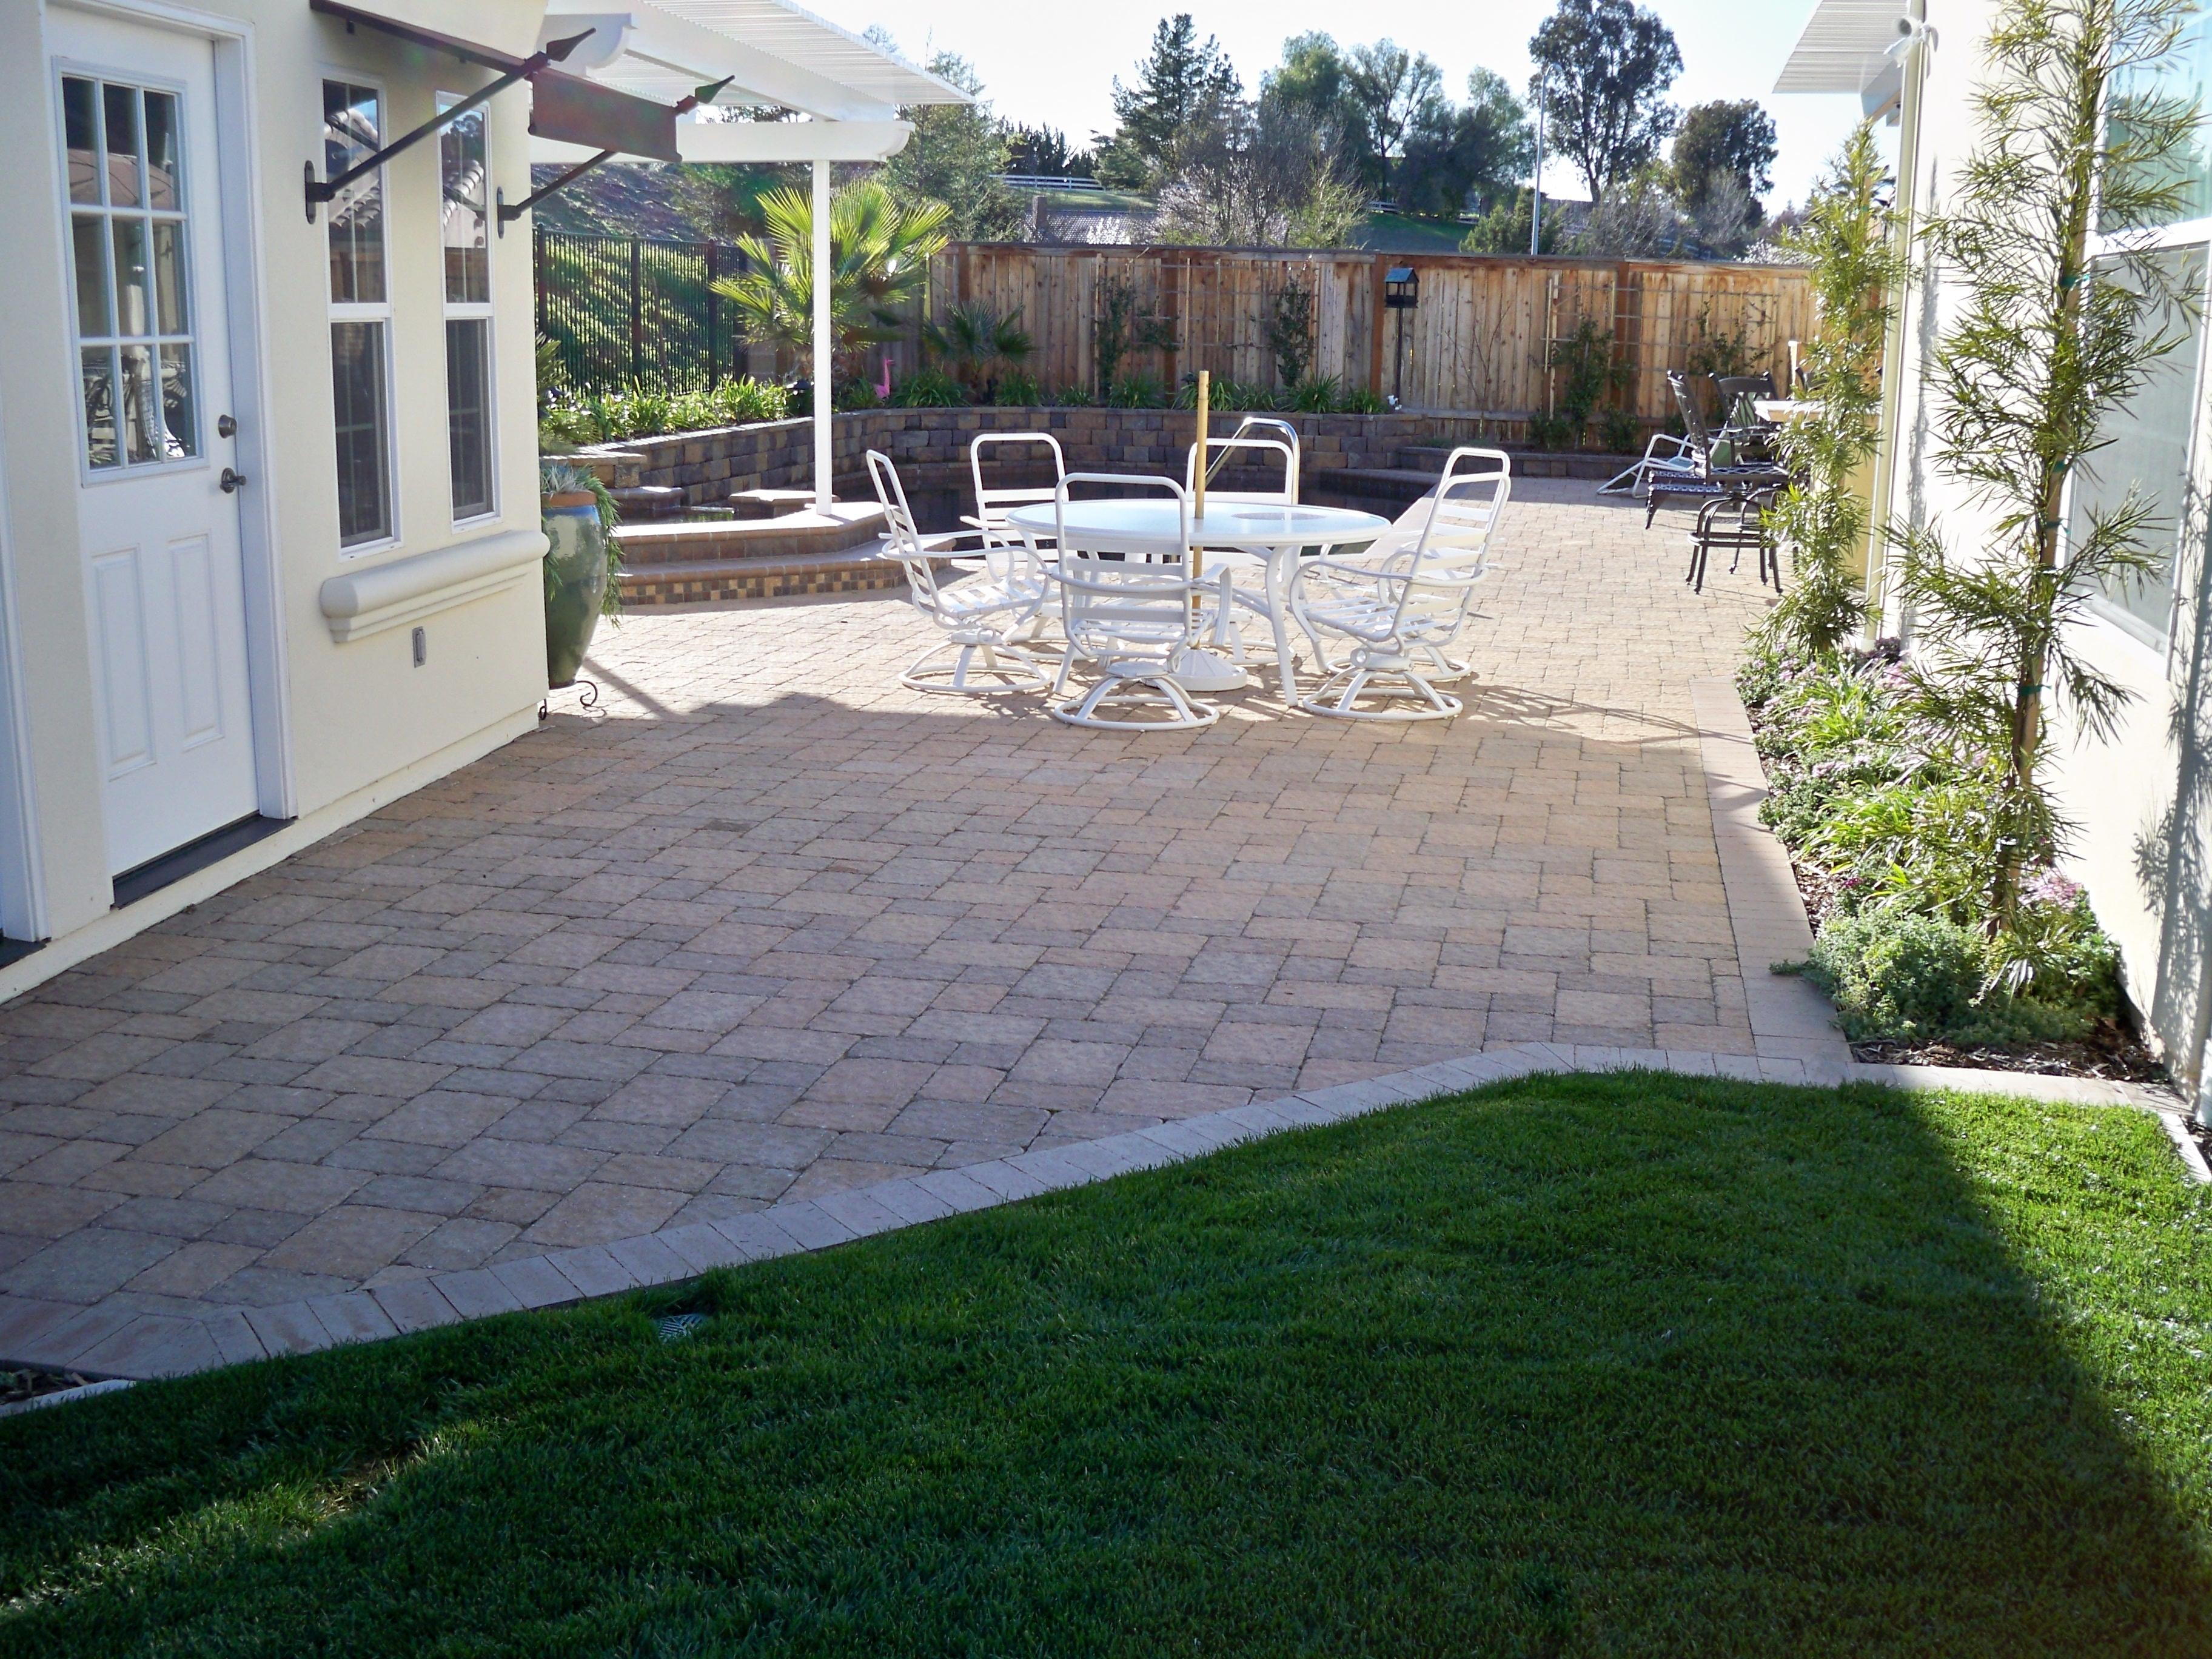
pixel 1701 478
pixel 1733 524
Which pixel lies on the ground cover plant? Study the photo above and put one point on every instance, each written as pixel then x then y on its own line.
pixel 1621 1365
pixel 1890 829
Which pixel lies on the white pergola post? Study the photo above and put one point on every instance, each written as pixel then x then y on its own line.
pixel 824 366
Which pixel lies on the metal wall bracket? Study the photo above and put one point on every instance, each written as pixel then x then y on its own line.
pixel 326 190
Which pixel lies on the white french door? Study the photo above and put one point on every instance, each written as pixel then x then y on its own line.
pixel 164 578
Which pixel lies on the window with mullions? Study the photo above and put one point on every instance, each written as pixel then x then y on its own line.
pixel 466 222
pixel 2146 447
pixel 361 317
pixel 128 242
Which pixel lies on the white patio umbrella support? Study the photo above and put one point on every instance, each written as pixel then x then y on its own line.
pixel 825 367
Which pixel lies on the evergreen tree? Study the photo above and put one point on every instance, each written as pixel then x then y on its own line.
pixel 958 156
pixel 1604 67
pixel 1183 90
pixel 1721 141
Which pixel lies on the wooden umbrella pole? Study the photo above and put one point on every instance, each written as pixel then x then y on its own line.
pixel 1204 414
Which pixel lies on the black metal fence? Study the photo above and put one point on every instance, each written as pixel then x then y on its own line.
pixel 622 310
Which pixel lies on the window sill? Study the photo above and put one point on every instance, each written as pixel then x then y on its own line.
pixel 363 604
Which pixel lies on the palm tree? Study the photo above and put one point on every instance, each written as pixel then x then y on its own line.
pixel 879 253
pixel 976 342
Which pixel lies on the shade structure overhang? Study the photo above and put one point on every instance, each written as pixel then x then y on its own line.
pixel 775 55
pixel 1851 47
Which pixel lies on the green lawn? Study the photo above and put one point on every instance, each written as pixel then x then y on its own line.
pixel 1628 1366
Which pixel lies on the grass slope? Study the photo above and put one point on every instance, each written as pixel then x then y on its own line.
pixel 1638 1365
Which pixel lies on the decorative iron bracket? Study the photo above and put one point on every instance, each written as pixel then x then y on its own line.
pixel 320 190
pixel 507 215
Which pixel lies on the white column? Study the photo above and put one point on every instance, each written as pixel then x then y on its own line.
pixel 824 366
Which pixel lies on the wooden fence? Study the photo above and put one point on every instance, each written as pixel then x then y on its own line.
pixel 1478 342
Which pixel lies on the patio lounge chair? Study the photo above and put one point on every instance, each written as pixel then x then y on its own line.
pixel 1130 618
pixel 985 616
pixel 1402 604
pixel 1701 475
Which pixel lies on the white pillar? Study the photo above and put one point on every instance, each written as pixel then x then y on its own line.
pixel 825 372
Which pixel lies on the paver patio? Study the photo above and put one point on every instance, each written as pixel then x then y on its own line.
pixel 768 924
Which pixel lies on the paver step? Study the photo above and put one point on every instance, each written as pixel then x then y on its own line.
pixel 793 536
pixel 707 581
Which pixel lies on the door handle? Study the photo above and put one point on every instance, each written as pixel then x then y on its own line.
pixel 231 480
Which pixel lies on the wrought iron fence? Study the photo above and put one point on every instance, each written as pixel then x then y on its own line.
pixel 624 311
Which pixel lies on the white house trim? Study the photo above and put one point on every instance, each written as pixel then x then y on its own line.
pixel 382 596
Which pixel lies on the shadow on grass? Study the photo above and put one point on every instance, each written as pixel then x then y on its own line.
pixel 1638 1365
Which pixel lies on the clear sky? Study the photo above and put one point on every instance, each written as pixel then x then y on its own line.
pixel 1054 64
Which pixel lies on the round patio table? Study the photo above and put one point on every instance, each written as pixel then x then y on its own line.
pixel 1273 531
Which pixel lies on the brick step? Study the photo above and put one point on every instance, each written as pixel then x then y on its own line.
pixel 795 535
pixel 710 582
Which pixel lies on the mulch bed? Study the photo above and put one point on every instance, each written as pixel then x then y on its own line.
pixel 2109 1053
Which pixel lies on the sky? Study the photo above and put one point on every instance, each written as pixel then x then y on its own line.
pixel 1055 64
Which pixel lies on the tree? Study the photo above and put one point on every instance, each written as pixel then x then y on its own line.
pixel 1263 179
pixel 958 157
pixel 2041 349
pixel 880 251
pixel 1480 155
pixel 1504 227
pixel 1396 92
pixel 1636 218
pixel 1042 151
pixel 1847 240
pixel 1603 68
pixel 1181 88
pixel 1723 140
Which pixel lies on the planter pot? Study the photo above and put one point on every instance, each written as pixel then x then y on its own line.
pixel 575 583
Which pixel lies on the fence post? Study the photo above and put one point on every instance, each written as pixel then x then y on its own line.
pixel 713 323
pixel 637 309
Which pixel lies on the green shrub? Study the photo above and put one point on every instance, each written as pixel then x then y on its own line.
pixel 1907 977
pixel 1137 392
pixel 1364 402
pixel 1317 394
pixel 617 417
pixel 928 387
pixel 1074 397
pixel 1018 390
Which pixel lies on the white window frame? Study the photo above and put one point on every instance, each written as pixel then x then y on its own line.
pixel 458 311
pixel 353 312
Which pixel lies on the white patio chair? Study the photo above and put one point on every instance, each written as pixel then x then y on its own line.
pixel 985 615
pixel 1130 615
pixel 1257 443
pixel 1402 604
pixel 994 503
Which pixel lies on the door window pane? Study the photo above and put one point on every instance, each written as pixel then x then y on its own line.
pixel 139 403
pixel 122 105
pixel 133 315
pixel 353 124
pixel 164 182
pixel 468 407
pixel 91 256
pixel 99 449
pixel 180 412
pixel 81 122
pixel 2147 452
pixel 169 276
pixel 363 439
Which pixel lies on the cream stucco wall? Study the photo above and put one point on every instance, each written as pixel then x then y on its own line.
pixel 2141 856
pixel 333 719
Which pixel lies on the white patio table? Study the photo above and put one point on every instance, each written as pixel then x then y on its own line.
pixel 1276 533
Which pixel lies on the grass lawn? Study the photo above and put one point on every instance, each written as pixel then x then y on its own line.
pixel 1634 1366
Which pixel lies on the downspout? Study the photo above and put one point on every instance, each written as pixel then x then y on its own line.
pixel 1906 212
pixel 825 368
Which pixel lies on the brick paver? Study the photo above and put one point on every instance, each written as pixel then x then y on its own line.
pixel 767 927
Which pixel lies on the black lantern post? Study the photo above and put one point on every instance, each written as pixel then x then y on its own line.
pixel 1401 293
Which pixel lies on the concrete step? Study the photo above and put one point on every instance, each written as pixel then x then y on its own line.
pixel 646 503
